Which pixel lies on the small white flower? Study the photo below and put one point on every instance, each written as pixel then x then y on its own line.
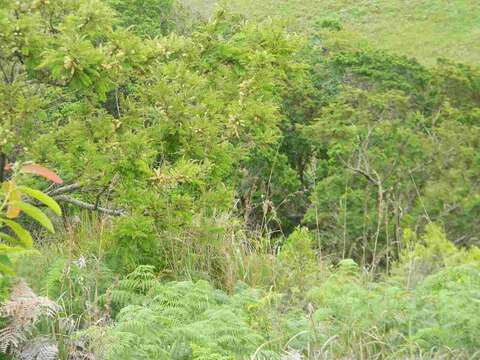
pixel 81 262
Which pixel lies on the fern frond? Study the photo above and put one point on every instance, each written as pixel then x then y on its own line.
pixel 11 337
pixel 24 309
pixel 39 349
pixel 177 317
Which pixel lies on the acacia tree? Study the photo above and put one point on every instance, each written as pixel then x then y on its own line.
pixel 58 60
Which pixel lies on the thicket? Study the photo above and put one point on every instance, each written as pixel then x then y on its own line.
pixel 213 153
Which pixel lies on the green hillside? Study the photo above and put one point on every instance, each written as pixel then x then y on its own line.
pixel 424 29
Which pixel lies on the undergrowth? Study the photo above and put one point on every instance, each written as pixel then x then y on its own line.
pixel 341 311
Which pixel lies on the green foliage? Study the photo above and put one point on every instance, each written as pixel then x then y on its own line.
pixel 439 297
pixel 402 318
pixel 178 320
pixel 345 314
pixel 306 164
pixel 432 253
pixel 298 262
pixel 76 285
pixel 147 17
pixel 381 142
pixel 398 322
pixel 133 243
pixel 424 29
pixel 15 239
pixel 351 142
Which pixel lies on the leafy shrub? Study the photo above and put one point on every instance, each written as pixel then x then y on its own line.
pixel 24 310
pixel 133 242
pixel 432 253
pixel 298 265
pixel 355 315
pixel 447 305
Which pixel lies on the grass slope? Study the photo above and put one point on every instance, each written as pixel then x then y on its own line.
pixel 425 29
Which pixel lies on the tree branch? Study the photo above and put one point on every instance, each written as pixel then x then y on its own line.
pixel 99 195
pixel 3 162
pixel 64 189
pixel 365 174
pixel 84 205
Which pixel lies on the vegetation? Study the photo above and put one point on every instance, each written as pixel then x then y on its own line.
pixel 424 29
pixel 229 189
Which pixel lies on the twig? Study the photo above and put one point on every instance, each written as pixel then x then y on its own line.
pixel 420 197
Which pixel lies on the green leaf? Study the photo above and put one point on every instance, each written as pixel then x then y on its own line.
pixel 6 265
pixel 43 198
pixel 5 249
pixel 8 238
pixel 36 214
pixel 23 235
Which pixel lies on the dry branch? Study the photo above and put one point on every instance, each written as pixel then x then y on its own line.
pixel 85 205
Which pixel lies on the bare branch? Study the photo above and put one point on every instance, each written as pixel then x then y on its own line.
pixel 369 177
pixel 84 205
pixel 64 189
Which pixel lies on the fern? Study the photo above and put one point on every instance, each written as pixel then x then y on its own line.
pixel 179 320
pixel 23 338
pixel 39 349
pixel 132 289
pixel 11 339
pixel 24 310
pixel 141 280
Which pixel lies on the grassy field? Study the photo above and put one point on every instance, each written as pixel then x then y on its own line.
pixel 425 29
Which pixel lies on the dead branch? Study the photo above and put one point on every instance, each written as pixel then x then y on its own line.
pixel 85 205
pixel 369 177
pixel 64 189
